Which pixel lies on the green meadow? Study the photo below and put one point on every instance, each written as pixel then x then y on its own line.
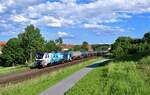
pixel 116 78
pixel 37 85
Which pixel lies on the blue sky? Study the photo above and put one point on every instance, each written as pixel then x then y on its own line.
pixel 95 21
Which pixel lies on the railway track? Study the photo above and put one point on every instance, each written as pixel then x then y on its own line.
pixel 18 77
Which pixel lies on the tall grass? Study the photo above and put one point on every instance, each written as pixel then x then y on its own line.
pixel 7 70
pixel 145 60
pixel 144 66
pixel 121 78
pixel 37 85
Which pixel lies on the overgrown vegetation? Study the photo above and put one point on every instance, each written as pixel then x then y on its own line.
pixel 125 46
pixel 37 85
pixel 119 78
pixel 145 60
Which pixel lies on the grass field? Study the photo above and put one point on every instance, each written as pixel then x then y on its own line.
pixel 14 69
pixel 119 78
pixel 37 85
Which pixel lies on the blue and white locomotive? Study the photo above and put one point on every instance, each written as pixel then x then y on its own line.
pixel 44 59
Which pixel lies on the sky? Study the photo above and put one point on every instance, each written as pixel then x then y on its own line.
pixel 94 21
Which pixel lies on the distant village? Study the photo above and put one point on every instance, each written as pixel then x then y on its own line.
pixel 66 47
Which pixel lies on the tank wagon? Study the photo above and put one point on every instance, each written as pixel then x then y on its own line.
pixel 76 55
pixel 84 54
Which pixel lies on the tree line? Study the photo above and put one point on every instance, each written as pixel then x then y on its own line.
pixel 83 47
pixel 125 46
pixel 101 47
pixel 22 49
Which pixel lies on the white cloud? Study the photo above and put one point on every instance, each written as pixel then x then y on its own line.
pixel 65 35
pixel 69 13
pixel 51 21
pixel 54 24
pixel 100 11
pixel 68 1
pixel 93 26
pixel 98 29
pixel 18 18
pixel 2 8
pixel 7 33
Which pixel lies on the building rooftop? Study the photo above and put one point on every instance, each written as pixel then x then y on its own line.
pixel 67 46
pixel 2 43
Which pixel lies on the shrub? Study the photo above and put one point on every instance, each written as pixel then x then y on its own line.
pixel 145 60
pixel 118 52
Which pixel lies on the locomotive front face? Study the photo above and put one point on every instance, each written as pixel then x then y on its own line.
pixel 39 58
pixel 38 62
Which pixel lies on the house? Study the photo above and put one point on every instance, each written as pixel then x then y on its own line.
pixel 90 48
pixel 66 47
pixel 2 44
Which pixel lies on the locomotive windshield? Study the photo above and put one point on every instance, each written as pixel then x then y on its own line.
pixel 39 55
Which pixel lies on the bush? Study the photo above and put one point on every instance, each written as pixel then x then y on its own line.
pixel 121 46
pixel 131 46
pixel 145 60
pixel 118 52
pixel 12 53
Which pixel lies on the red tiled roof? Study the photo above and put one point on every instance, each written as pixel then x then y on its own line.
pixel 2 43
pixel 67 46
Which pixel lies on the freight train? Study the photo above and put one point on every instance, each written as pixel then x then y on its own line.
pixel 52 58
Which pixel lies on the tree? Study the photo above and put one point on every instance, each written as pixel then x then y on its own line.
pixel 122 44
pixel 77 48
pixel 85 46
pixel 119 52
pixel 100 47
pixel 128 46
pixel 138 46
pixel 31 41
pixel 146 37
pixel 13 53
pixel 59 41
pixel 51 46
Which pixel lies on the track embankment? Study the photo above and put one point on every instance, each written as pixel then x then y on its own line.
pixel 17 77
